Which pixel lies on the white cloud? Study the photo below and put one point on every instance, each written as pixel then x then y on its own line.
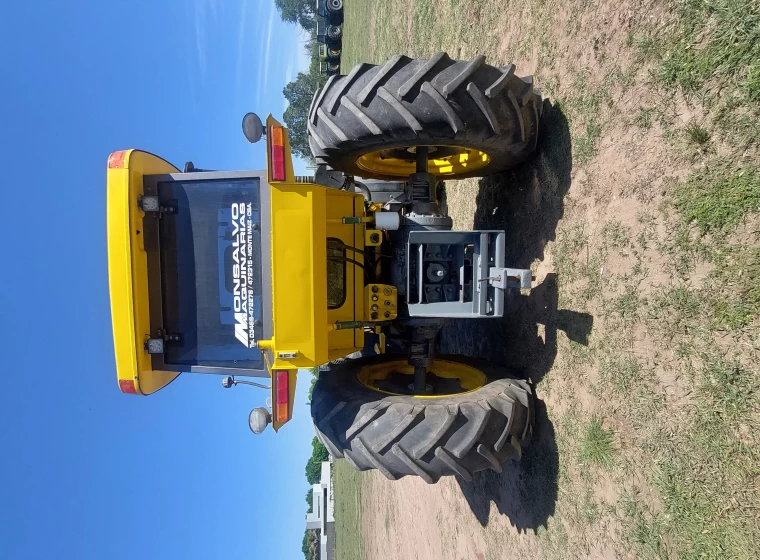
pixel 242 39
pixel 299 60
pixel 289 72
pixel 289 75
pixel 203 11
pixel 202 15
pixel 263 73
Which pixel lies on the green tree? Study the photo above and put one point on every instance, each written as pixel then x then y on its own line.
pixel 299 94
pixel 310 500
pixel 310 545
pixel 314 464
pixel 314 376
pixel 305 544
pixel 297 11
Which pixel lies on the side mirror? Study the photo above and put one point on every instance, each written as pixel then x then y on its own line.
pixel 252 128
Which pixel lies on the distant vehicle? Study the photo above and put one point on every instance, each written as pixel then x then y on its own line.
pixel 331 10
pixel 328 53
pixel 330 68
pixel 329 34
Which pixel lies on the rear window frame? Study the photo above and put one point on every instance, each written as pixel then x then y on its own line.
pixel 152 246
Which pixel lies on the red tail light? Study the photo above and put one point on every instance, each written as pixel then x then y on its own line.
pixel 127 386
pixel 116 160
pixel 277 143
pixel 282 395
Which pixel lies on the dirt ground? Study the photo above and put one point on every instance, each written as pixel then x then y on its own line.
pixel 641 331
pixel 412 520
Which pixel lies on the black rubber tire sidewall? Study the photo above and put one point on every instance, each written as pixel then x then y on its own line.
pixel 505 125
pixel 342 406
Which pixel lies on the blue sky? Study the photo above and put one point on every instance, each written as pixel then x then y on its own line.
pixel 86 472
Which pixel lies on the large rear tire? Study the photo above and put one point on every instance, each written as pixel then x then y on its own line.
pixel 402 435
pixel 335 11
pixel 368 122
pixel 334 33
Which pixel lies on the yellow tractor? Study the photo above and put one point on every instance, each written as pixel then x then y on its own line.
pixel 329 59
pixel 355 269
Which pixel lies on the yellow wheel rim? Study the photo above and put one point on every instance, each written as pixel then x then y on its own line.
pixel 444 378
pixel 442 161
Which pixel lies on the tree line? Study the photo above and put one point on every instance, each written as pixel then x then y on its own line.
pixel 300 91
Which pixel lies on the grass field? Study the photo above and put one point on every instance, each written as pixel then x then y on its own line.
pixel 640 215
pixel 347 488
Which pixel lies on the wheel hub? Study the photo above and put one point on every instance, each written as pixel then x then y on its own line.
pixel 443 378
pixel 441 160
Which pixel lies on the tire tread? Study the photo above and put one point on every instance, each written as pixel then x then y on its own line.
pixel 403 436
pixel 434 101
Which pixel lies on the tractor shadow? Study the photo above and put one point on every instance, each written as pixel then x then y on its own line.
pixel 526 490
pixel 527 203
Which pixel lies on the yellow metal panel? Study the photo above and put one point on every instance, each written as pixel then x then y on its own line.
pixel 299 277
pixel 128 272
pixel 359 279
pixel 299 232
pixel 301 215
pixel 120 276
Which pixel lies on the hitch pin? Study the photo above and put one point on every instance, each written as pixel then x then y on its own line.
pixel 498 278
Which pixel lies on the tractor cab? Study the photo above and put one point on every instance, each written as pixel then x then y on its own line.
pixel 330 10
pixel 329 53
pixel 328 33
pixel 321 31
pixel 230 273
